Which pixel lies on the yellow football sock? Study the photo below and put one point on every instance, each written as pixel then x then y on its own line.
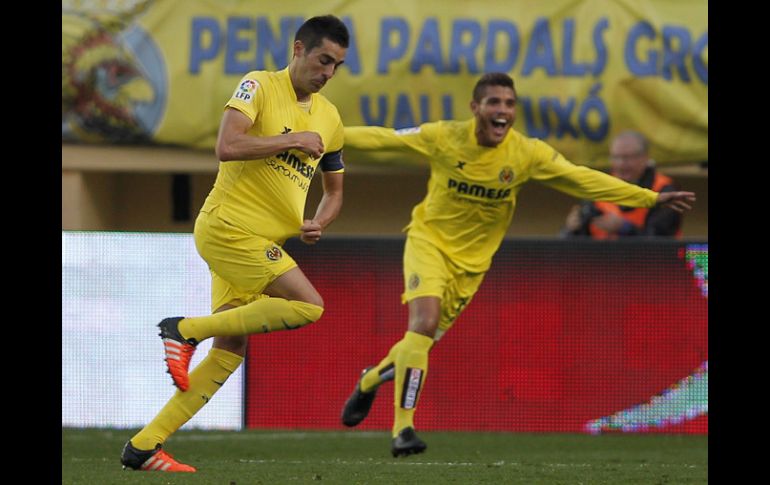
pixel 411 370
pixel 383 371
pixel 205 380
pixel 260 316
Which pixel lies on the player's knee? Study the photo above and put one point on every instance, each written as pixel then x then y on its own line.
pixel 232 343
pixel 316 300
pixel 424 324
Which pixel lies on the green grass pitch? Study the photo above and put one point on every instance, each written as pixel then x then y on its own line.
pixel 92 456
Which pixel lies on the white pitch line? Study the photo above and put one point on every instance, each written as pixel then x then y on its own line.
pixel 368 463
pixel 448 464
pixel 279 436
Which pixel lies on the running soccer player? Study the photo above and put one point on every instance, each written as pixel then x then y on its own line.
pixel 276 131
pixel 477 168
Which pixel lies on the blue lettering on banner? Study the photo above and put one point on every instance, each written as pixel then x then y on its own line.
pixel 446 103
pixel 639 67
pixel 249 42
pixel 540 50
pixel 571 68
pixel 275 46
pixel 428 51
pixel 701 69
pixel 382 110
pixel 594 104
pixel 236 45
pixel 403 111
pixel 563 114
pixel 676 45
pixel 462 29
pixel 403 117
pixel 644 58
pixel 601 47
pixel 577 69
pixel 512 46
pixel 530 118
pixel 389 27
pixel 203 27
pixel 465 46
pixel 593 120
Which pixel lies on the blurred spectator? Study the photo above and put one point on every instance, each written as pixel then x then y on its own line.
pixel 629 156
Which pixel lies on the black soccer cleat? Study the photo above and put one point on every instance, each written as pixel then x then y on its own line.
pixel 155 460
pixel 407 443
pixel 358 404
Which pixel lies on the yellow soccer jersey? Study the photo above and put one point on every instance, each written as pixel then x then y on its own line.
pixel 472 189
pixel 267 196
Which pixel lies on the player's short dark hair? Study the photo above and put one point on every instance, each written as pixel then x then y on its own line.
pixel 492 79
pixel 316 29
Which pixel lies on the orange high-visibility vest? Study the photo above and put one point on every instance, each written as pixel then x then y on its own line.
pixel 636 216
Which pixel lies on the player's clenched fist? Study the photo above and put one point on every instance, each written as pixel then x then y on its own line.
pixel 309 142
pixel 311 232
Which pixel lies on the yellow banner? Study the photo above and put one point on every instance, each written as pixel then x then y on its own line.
pixel 161 71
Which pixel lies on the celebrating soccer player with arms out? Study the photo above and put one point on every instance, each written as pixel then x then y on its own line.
pixel 477 168
pixel 276 131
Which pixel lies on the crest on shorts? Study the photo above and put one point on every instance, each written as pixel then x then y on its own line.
pixel 506 175
pixel 274 253
pixel 414 281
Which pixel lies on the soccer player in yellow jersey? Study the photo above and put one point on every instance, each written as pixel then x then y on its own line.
pixel 275 133
pixel 477 168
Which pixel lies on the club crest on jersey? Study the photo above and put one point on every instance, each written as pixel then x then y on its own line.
pixel 506 175
pixel 246 90
pixel 414 281
pixel 274 253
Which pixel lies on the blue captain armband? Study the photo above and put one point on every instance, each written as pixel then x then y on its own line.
pixel 332 162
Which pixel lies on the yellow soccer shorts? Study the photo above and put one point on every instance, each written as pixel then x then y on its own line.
pixel 242 265
pixel 428 272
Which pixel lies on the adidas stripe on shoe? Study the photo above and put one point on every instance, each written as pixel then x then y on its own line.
pixel 155 460
pixel 178 352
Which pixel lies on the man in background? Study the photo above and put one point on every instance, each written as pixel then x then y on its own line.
pixel 631 162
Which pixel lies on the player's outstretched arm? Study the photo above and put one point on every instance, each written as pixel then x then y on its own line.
pixel 678 201
pixel 372 138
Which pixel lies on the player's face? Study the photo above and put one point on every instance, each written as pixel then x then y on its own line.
pixel 315 67
pixel 495 114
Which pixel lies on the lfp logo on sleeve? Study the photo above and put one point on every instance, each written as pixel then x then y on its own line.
pixel 246 90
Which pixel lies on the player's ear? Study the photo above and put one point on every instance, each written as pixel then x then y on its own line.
pixel 299 48
pixel 474 107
